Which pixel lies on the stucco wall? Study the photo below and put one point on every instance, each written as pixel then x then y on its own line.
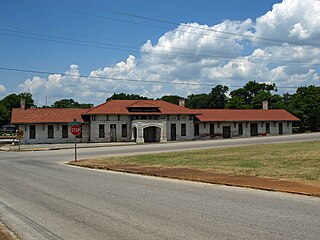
pixel 178 120
pixel 204 128
pixel 42 134
pixel 107 120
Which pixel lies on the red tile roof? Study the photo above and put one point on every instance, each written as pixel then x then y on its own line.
pixel 121 107
pixel 241 115
pixel 46 115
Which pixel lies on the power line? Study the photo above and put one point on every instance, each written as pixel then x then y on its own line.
pixel 123 79
pixel 248 38
pixel 79 3
pixel 116 47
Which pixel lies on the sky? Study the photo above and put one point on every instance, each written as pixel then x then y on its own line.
pixel 94 48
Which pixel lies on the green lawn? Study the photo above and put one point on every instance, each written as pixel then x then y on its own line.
pixel 299 161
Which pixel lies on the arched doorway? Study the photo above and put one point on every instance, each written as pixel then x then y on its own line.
pixel 152 134
pixel 134 134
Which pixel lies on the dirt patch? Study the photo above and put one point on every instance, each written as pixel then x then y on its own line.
pixel 6 234
pixel 263 183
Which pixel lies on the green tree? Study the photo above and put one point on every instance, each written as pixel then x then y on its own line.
pixel 198 101
pixel 13 101
pixel 124 96
pixel 70 103
pixel 305 104
pixel 251 95
pixel 218 97
pixel 171 99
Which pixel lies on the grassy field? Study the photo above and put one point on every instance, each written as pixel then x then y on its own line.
pixel 299 161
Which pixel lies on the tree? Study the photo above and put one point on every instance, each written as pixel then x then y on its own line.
pixel 198 101
pixel 305 104
pixel 171 99
pixel 251 95
pixel 218 97
pixel 70 103
pixel 13 101
pixel 123 96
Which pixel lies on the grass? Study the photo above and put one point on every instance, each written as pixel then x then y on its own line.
pixel 300 161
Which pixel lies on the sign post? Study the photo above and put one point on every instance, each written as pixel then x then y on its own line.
pixel 75 131
pixel 20 134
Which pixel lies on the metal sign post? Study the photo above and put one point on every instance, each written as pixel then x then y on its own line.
pixel 20 134
pixel 75 130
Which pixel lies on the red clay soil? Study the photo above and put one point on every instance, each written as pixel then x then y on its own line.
pixel 5 233
pixel 263 183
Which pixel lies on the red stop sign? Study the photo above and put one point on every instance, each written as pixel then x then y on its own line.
pixel 75 130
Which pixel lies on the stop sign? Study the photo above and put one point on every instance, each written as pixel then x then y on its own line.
pixel 75 130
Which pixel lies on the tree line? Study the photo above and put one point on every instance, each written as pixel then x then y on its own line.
pixel 304 103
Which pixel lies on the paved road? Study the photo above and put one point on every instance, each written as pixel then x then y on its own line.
pixel 41 198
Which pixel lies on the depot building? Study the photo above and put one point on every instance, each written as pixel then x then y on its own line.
pixel 147 121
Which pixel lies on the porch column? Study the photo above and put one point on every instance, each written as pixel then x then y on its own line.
pixel 163 134
pixel 140 138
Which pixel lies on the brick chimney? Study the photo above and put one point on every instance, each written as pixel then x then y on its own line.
pixel 265 104
pixel 23 103
pixel 182 102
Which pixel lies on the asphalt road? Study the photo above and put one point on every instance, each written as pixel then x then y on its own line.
pixel 41 198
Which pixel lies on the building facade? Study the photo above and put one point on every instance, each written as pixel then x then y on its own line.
pixel 147 121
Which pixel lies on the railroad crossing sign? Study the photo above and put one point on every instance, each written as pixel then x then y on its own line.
pixel 75 130
pixel 20 134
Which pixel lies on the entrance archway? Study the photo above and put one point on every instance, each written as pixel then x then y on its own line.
pixel 152 134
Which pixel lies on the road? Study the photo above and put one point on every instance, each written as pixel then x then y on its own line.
pixel 41 198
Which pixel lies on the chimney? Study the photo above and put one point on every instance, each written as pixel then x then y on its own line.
pixel 265 105
pixel 182 102
pixel 23 103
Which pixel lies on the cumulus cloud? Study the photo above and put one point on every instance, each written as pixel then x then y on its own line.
pixel 2 88
pixel 197 57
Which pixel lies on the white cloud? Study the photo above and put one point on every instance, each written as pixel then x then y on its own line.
pixel 2 88
pixel 194 54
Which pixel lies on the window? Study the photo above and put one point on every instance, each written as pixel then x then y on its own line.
pixel 262 124
pixel 124 130
pixel 101 131
pixel 190 117
pixel 93 118
pixel 183 129
pixel 288 124
pixel 64 131
pixel 268 128
pixel 32 132
pixel 178 117
pixel 196 129
pixel 218 125
pixel 211 128
pixel 50 131
pixel 274 124
pixel 118 117
pixel 235 125
pixel 240 129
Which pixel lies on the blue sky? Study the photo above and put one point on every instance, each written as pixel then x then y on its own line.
pixel 94 21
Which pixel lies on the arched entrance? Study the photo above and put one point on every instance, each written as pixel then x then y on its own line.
pixel 134 134
pixel 152 134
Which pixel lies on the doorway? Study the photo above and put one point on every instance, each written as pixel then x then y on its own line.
pixel 226 132
pixel 151 134
pixel 254 129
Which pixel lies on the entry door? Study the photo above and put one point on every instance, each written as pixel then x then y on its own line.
pixel 280 128
pixel 173 132
pixel 113 132
pixel 254 129
pixel 226 132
